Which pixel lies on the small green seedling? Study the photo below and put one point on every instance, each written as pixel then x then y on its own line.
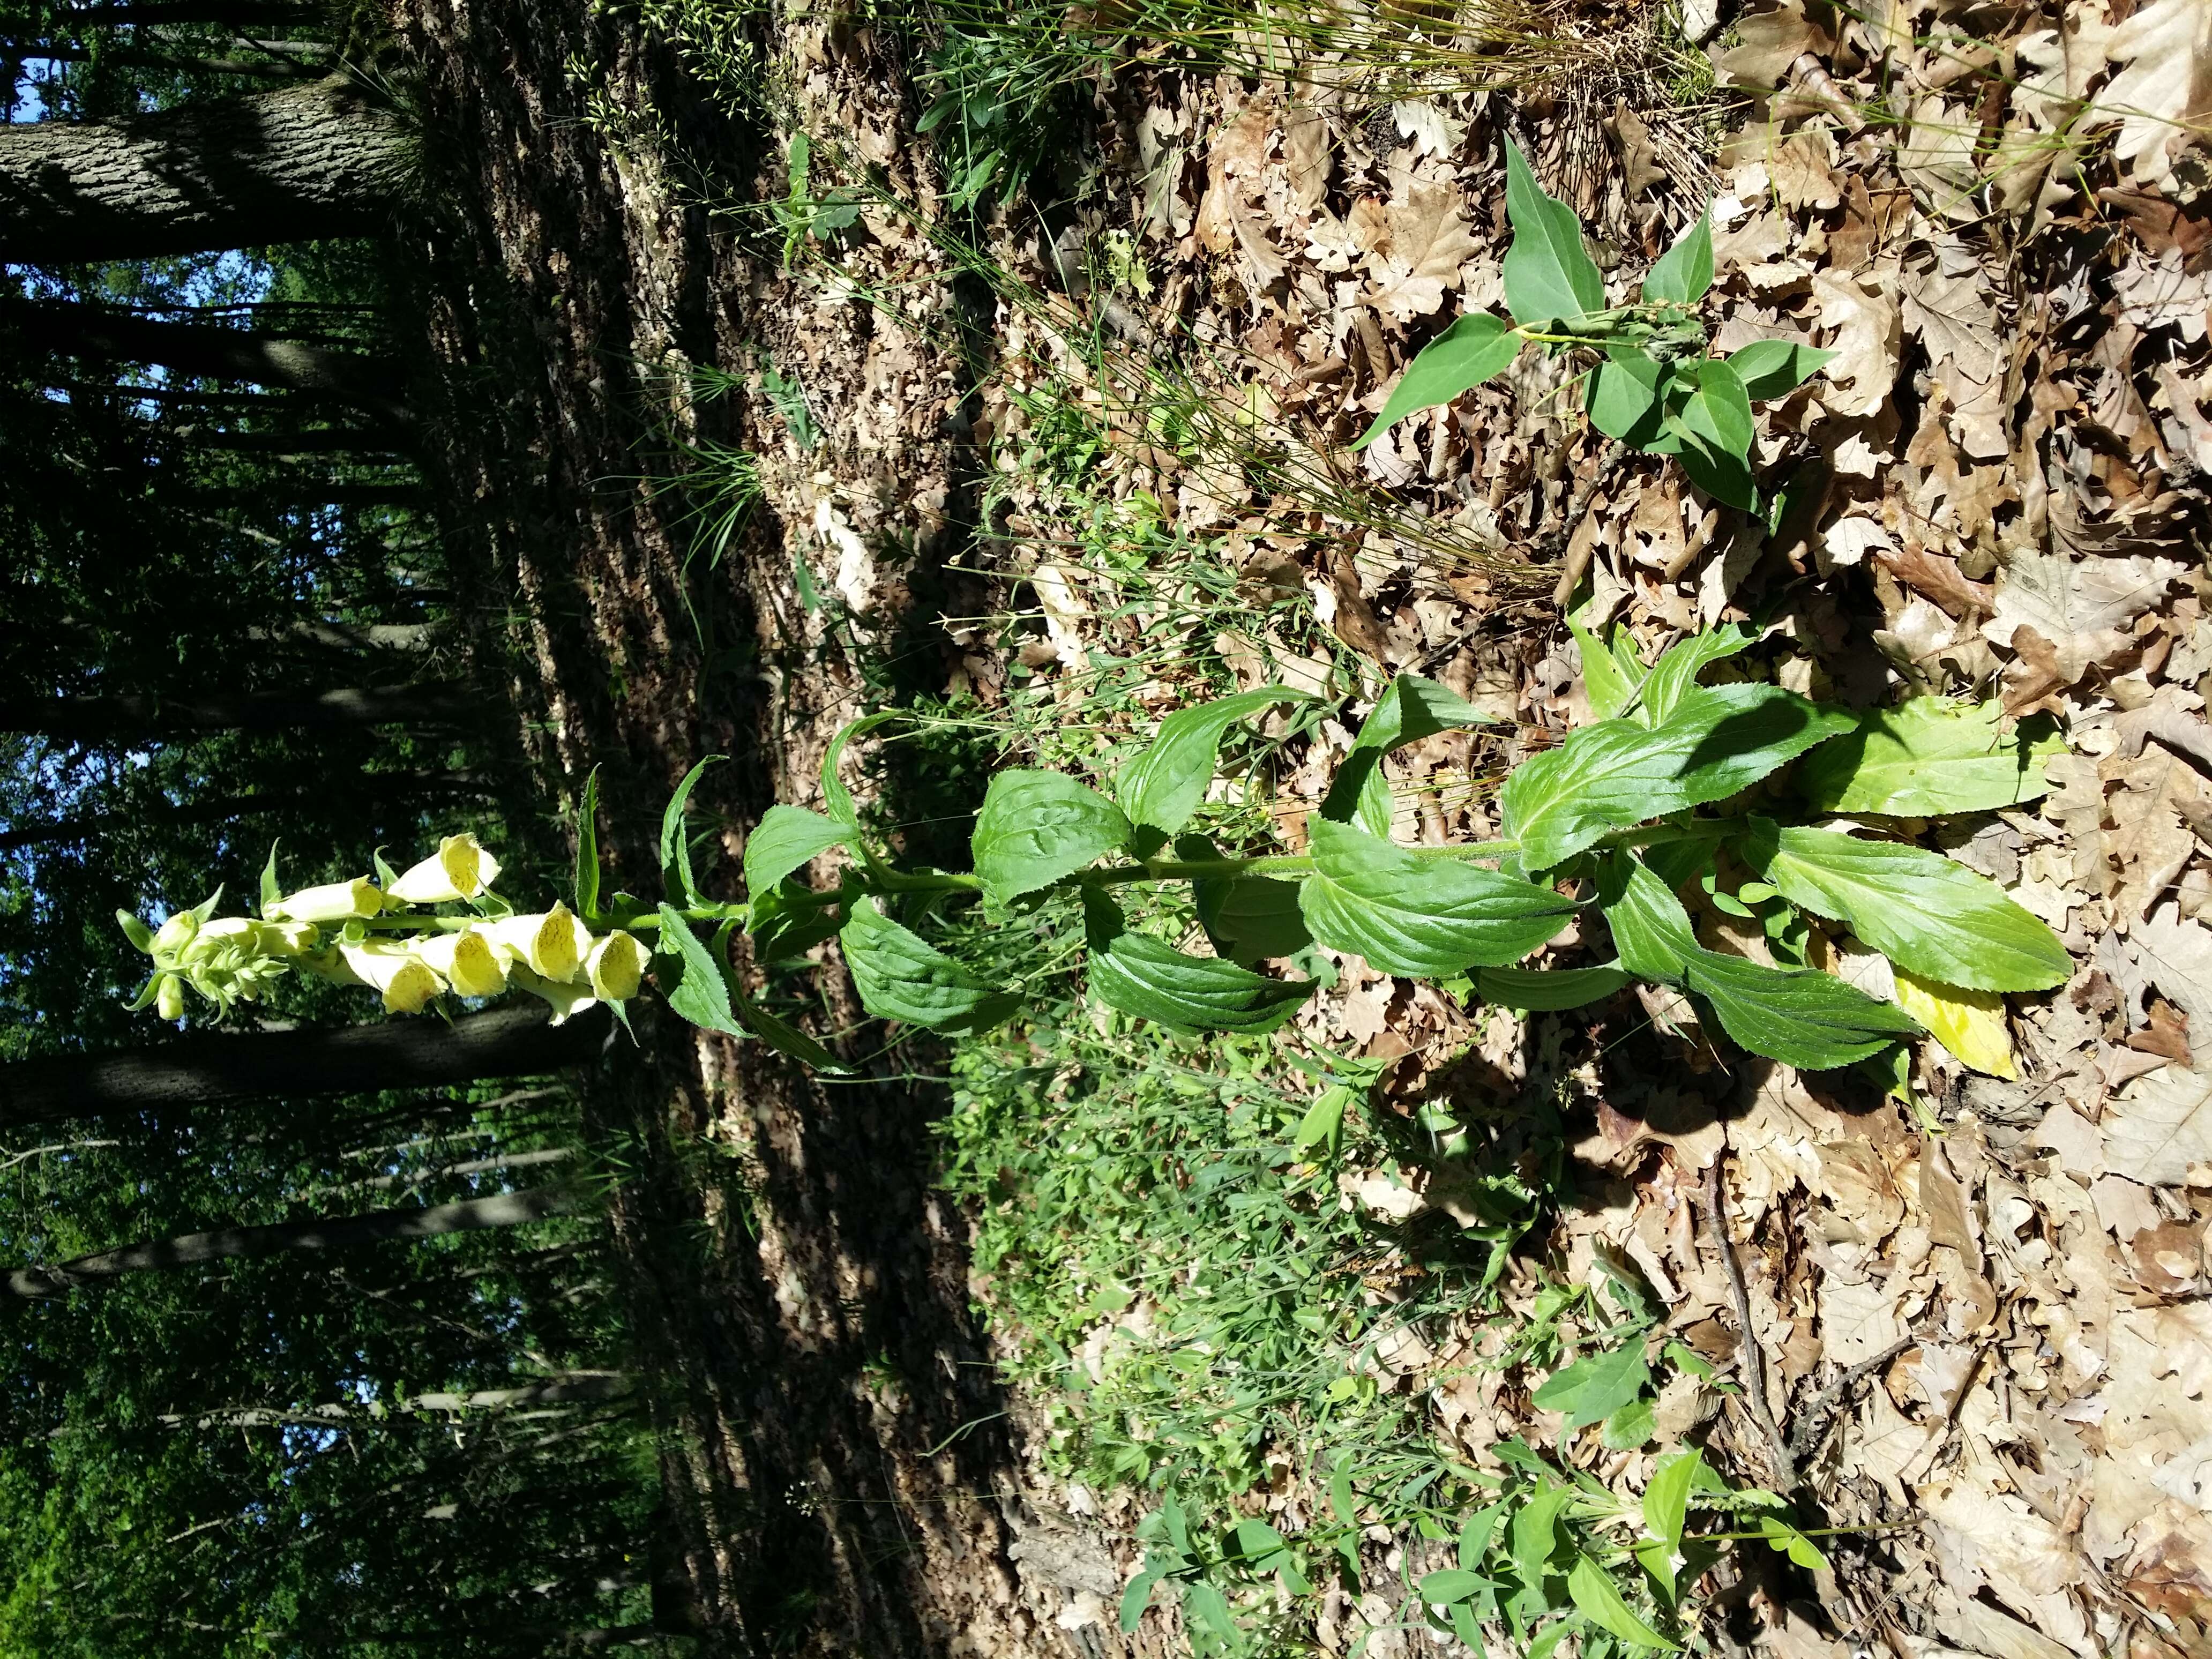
pixel 802 213
pixel 1647 380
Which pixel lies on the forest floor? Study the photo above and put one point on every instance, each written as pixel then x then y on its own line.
pixel 1047 474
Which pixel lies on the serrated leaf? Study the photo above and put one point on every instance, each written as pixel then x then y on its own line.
pixel 675 842
pixel 700 995
pixel 1798 1015
pixel 1600 1601
pixel 901 975
pixel 1549 275
pixel 1927 913
pixel 1970 1023
pixel 1145 978
pixel 1608 680
pixel 1718 740
pixel 1037 827
pixel 1163 785
pixel 1674 676
pixel 1771 368
pixel 786 838
pixel 1719 411
pixel 1471 350
pixel 1930 757
pixel 1685 271
pixel 1595 1386
pixel 1651 931
pixel 1547 989
pixel 1422 917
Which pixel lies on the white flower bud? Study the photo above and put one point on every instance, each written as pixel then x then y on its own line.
pixel 466 960
pixel 615 966
pixel 568 998
pixel 338 900
pixel 174 934
pixel 391 966
pixel 169 997
pixel 459 869
pixel 552 944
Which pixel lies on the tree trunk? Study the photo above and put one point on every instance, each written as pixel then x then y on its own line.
pixel 207 1071
pixel 203 350
pixel 300 165
pixel 127 716
pixel 386 787
pixel 328 1233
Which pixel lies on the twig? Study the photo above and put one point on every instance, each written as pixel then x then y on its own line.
pixel 1813 1422
pixel 1754 1361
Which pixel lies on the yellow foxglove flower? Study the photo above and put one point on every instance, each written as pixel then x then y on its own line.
pixel 391 966
pixel 338 900
pixel 552 944
pixel 568 999
pixel 615 966
pixel 459 869
pixel 466 961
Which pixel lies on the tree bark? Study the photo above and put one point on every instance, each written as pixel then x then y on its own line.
pixel 209 1071
pixel 304 163
pixel 327 1233
pixel 374 384
pixel 128 716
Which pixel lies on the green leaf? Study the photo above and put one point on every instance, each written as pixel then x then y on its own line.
pixel 1719 411
pixel 271 889
pixel 1800 1017
pixel 1037 827
pixel 1787 1540
pixel 1143 977
pixel 1549 273
pixel 1770 369
pixel 1621 395
pixel 1629 1426
pixel 787 921
pixel 900 975
pixel 1597 1385
pixel 1549 990
pixel 1535 1532
pixel 838 797
pixel 1926 913
pixel 1610 677
pixel 587 849
pixel 1249 917
pixel 1930 757
pixel 1423 917
pixel 1666 1496
pixel 1451 1584
pixel 1343 1503
pixel 1685 271
pixel 785 1039
pixel 1323 1123
pixel 1723 476
pixel 137 932
pixel 1600 1602
pixel 702 995
pixel 676 843
pixel 1163 785
pixel 1138 1596
pixel 785 839
pixel 1471 350
pixel 1718 740
pixel 1411 709
pixel 1674 676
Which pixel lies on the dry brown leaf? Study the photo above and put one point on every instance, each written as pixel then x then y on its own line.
pixel 1955 320
pixel 2160 1126
pixel 1869 330
pixel 2150 840
pixel 1429 243
pixel 2077 605
pixel 2166 89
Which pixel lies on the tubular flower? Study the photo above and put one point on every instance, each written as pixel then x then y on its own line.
pixel 466 961
pixel 459 869
pixel 391 966
pixel 568 999
pixel 552 944
pixel 615 966
pixel 340 900
pixel 170 997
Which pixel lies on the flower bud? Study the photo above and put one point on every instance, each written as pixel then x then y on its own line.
pixel 615 966
pixel 391 966
pixel 466 960
pixel 338 900
pixel 275 939
pixel 174 934
pixel 459 869
pixel 169 997
pixel 551 944
pixel 568 998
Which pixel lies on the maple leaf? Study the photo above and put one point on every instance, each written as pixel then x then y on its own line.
pixel 1869 330
pixel 2166 89
pixel 1429 243
pixel 2077 605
